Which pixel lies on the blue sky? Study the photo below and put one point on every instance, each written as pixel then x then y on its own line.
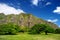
pixel 46 9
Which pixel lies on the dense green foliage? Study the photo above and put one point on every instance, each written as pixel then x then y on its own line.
pixel 57 31
pixel 38 28
pixel 9 28
pixel 50 30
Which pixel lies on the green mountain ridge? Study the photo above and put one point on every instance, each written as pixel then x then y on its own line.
pixel 24 20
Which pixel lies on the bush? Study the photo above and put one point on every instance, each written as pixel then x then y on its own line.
pixel 50 29
pixel 9 28
pixel 57 31
pixel 24 29
pixel 36 29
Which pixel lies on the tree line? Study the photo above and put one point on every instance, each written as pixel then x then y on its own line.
pixel 12 29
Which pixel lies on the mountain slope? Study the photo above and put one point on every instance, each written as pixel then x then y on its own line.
pixel 24 20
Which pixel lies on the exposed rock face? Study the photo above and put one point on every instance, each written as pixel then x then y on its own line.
pixel 24 20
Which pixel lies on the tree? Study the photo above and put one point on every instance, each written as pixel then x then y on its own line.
pixel 57 31
pixel 36 29
pixel 49 29
pixel 9 28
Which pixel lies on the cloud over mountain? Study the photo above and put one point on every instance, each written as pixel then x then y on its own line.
pixel 6 9
pixel 54 20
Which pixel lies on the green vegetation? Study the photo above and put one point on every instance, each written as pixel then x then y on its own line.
pixel 25 26
pixel 2 16
pixel 9 28
pixel 57 31
pixel 25 36
pixel 38 28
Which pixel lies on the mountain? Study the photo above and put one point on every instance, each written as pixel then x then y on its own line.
pixel 24 20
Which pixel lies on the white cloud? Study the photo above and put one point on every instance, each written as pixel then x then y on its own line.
pixel 48 3
pixel 4 8
pixel 35 2
pixel 54 20
pixel 57 10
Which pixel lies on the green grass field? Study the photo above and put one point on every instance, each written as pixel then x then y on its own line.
pixel 25 36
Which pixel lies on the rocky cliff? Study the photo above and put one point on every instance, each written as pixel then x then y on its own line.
pixel 24 20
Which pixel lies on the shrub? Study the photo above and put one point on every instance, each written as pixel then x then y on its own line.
pixel 9 28
pixel 50 29
pixel 36 29
pixel 57 31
